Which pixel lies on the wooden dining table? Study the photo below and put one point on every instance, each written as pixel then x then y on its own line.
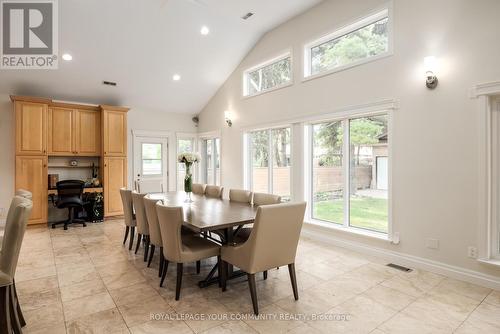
pixel 204 215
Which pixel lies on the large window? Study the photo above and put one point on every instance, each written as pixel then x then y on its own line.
pixel 350 177
pixel 269 161
pixel 210 172
pixel 348 46
pixel 267 76
pixel 151 159
pixel 183 145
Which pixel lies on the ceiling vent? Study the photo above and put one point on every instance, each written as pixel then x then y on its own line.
pixel 247 16
pixel 109 83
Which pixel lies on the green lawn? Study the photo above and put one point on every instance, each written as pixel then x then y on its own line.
pixel 366 212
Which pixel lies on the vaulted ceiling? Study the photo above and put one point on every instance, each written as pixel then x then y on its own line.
pixel 141 44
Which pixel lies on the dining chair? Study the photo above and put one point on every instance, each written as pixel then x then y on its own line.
pixel 214 191
pixel 128 213
pixel 272 243
pixel 240 196
pixel 11 319
pixel 24 193
pixel 142 223
pixel 180 248
pixel 198 188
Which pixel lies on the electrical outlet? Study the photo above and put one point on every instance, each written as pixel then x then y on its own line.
pixel 432 243
pixel 472 252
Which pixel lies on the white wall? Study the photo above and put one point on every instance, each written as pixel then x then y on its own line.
pixel 138 119
pixel 435 139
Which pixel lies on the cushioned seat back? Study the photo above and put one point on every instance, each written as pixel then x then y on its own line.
pixel 15 226
pixel 275 236
pixel 265 199
pixel 198 189
pixel 24 193
pixel 154 227
pixel 128 209
pixel 140 213
pixel 214 191
pixel 69 193
pixel 240 196
pixel 170 219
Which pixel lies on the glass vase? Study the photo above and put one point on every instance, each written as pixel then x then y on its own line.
pixel 188 183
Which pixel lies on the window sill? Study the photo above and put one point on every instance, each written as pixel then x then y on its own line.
pixel 352 230
pixel 492 262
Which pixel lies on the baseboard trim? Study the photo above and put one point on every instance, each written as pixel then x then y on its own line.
pixel 406 260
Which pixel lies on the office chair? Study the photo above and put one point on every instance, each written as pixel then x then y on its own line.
pixel 69 196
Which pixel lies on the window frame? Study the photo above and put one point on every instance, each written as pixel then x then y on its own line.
pixel 248 159
pixel 495 178
pixel 202 173
pixel 374 16
pixel 282 55
pixel 185 136
pixel 162 169
pixel 309 194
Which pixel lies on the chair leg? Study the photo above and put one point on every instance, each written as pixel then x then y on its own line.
pixel 293 279
pixel 198 267
pixel 265 274
pixel 253 293
pixel 162 262
pixel 132 234
pixel 14 317
pixel 224 268
pixel 5 325
pixel 164 273
pixel 19 312
pixel 146 248
pixel 127 229
pixel 179 281
pixel 139 238
pixel 151 255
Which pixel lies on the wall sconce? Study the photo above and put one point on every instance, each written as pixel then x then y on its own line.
pixel 228 117
pixel 430 64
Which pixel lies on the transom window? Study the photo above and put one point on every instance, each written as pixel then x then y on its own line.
pixel 151 159
pixel 354 44
pixel 350 177
pixel 270 75
pixel 269 161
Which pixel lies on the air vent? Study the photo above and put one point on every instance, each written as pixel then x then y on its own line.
pixel 109 83
pixel 247 16
pixel 398 267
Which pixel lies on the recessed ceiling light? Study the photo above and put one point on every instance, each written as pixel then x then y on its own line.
pixel 204 30
pixel 67 57
pixel 176 77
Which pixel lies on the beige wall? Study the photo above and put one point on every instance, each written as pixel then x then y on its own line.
pixel 433 130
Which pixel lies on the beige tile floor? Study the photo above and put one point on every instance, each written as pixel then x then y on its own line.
pixel 84 281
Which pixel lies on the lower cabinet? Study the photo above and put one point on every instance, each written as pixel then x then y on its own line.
pixel 115 177
pixel 31 174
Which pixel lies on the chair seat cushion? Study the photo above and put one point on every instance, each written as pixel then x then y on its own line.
pixel 195 248
pixel 69 201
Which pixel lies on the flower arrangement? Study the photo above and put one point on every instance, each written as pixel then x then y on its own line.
pixel 188 159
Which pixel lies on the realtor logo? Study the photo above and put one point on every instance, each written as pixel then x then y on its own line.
pixel 28 34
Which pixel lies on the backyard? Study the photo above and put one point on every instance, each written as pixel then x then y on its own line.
pixel 366 212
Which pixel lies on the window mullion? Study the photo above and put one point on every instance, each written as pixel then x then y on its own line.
pixel 346 164
pixel 270 162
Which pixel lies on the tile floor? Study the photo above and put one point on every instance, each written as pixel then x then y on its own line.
pixel 84 281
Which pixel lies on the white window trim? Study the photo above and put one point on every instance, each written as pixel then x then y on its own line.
pixel 354 25
pixel 369 110
pixel 247 160
pixel 487 101
pixel 282 55
pixel 205 136
pixel 185 135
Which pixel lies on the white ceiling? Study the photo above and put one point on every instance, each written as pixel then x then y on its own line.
pixel 140 44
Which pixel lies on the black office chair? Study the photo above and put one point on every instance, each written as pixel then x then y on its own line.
pixel 69 196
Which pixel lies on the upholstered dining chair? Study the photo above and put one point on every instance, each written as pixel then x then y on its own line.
pixel 24 193
pixel 11 319
pixel 198 188
pixel 128 213
pixel 179 248
pixel 240 196
pixel 142 223
pixel 214 191
pixel 272 243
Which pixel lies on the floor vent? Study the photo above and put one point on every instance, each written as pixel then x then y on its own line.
pixel 395 266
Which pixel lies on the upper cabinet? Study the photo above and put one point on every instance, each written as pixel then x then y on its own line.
pixel 31 127
pixel 74 132
pixel 114 131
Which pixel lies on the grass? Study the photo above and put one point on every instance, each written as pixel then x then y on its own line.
pixel 366 212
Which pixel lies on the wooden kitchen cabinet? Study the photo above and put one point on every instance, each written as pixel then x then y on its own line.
pixel 114 131
pixel 31 174
pixel 115 177
pixel 88 133
pixel 31 128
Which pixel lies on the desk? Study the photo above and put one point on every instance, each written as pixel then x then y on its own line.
pixel 85 191
pixel 206 214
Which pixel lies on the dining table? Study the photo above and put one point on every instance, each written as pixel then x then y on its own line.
pixel 216 219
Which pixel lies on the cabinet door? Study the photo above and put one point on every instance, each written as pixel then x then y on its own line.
pixel 31 128
pixel 115 133
pixel 115 177
pixel 31 174
pixel 61 131
pixel 88 133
